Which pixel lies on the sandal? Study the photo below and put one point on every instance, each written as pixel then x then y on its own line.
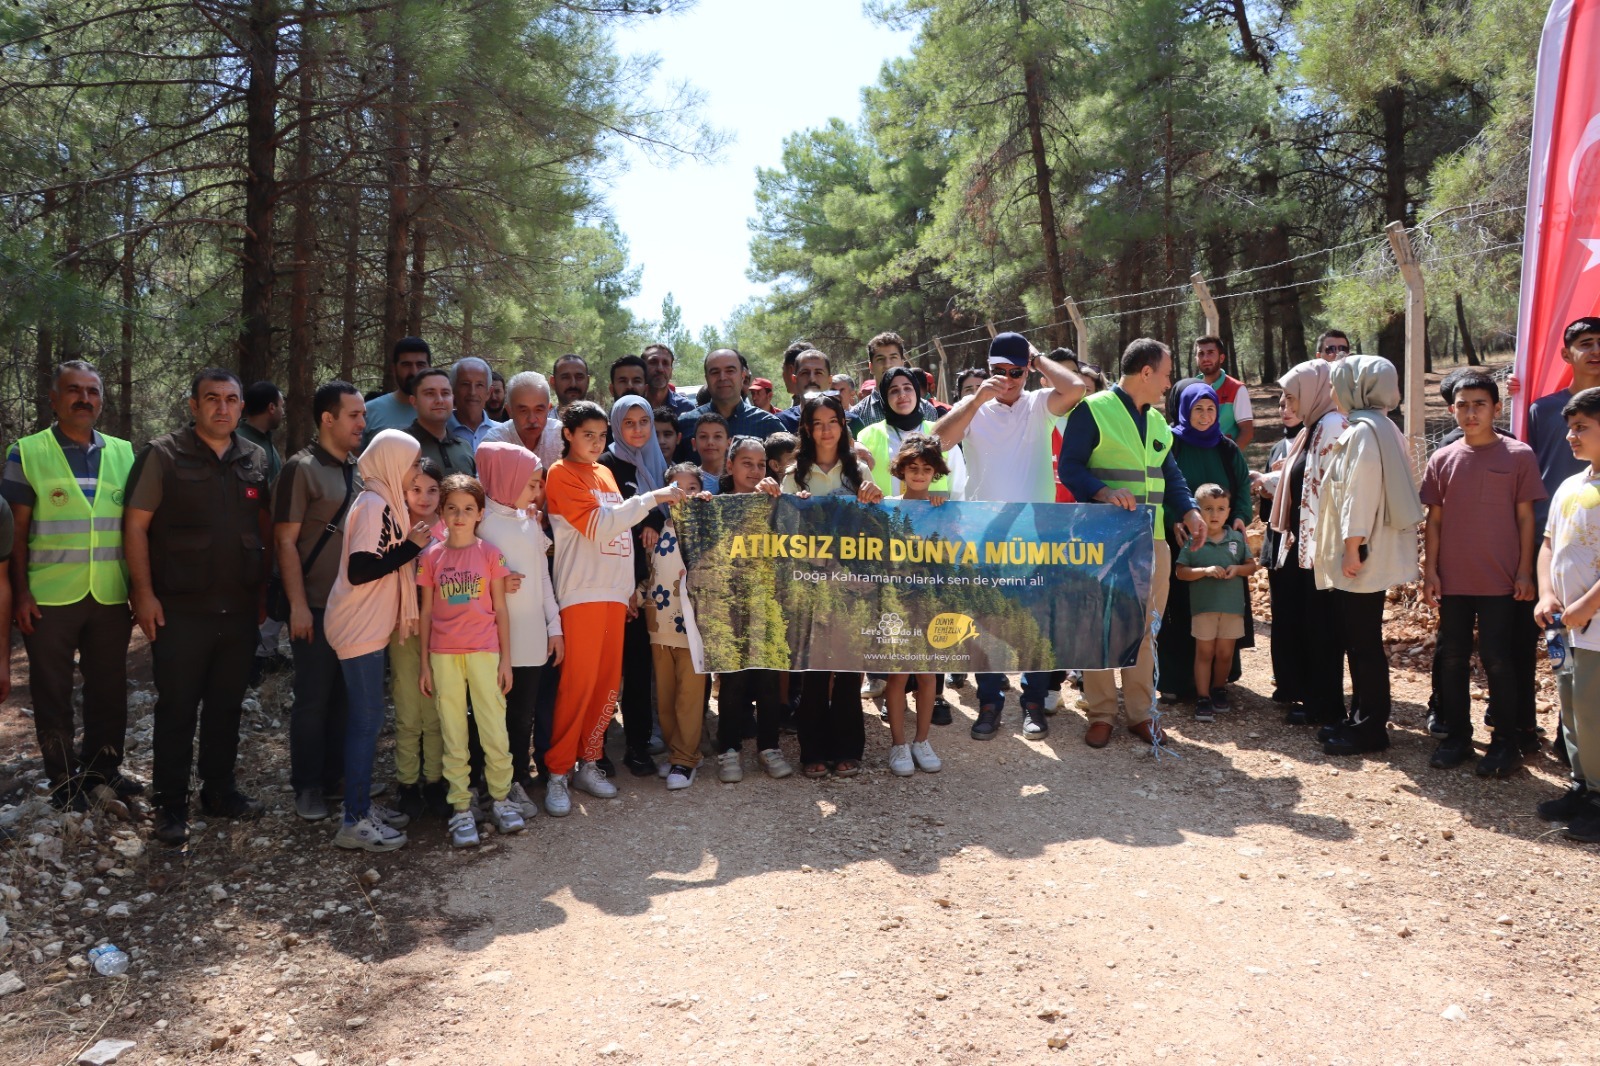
pixel 815 769
pixel 847 768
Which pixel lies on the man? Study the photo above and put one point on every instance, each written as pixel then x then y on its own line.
pixel 197 524
pixel 659 361
pixel 725 371
pixel 570 376
pixel 319 483
pixel 1109 436
pixel 628 378
pixel 1233 399
pixel 263 414
pixel 884 351
pixel 970 380
pixel 790 354
pixel 845 386
pixel 1005 438
pixel 761 395
pixel 434 402
pixel 1333 345
pixel 495 409
pixel 530 425
pixel 813 372
pixel 394 410
pixel 469 382
pixel 65 489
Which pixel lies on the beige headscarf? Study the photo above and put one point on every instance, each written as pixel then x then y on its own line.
pixel 1367 388
pixel 385 465
pixel 1312 388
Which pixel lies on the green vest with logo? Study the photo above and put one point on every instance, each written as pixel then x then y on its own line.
pixel 75 547
pixel 1122 460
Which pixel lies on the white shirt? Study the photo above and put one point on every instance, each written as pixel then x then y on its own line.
pixel 549 449
pixel 1008 451
pixel 1574 531
pixel 535 617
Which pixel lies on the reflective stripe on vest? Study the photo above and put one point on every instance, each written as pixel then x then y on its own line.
pixel 1121 460
pixel 74 547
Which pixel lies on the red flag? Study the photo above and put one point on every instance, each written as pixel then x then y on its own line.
pixel 1561 242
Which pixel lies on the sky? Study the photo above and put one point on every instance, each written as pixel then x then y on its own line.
pixel 687 226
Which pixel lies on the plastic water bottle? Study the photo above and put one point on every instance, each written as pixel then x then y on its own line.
pixel 109 960
pixel 1556 640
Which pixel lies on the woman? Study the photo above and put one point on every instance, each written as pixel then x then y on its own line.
pixel 832 734
pixel 902 409
pixel 1367 540
pixel 637 465
pixel 1303 618
pixel 1205 456
pixel 1288 680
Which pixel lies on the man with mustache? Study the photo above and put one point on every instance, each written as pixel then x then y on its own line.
pixel 65 486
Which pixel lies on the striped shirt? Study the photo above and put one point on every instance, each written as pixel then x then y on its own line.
pixel 83 461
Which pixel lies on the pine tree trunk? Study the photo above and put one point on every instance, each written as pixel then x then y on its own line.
pixel 1466 334
pixel 1033 95
pixel 396 283
pixel 302 377
pixel 352 277
pixel 260 191
pixel 419 233
pixel 125 354
pixel 1392 108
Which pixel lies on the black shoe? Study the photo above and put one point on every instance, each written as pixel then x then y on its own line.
pixel 988 723
pixel 1326 733
pixel 1558 751
pixel 1297 715
pixel 408 800
pixel 1436 726
pixel 1585 829
pixel 639 763
pixel 1035 724
pixel 435 797
pixel 1502 759
pixel 258 667
pixel 1575 802
pixel 171 826
pixel 1219 699
pixel 71 795
pixel 956 680
pixel 1353 741
pixel 941 711
pixel 1451 753
pixel 607 767
pixel 1204 711
pixel 124 786
pixel 1529 742
pixel 234 804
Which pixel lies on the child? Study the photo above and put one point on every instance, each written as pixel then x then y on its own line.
pixel 466 648
pixel 1569 588
pixel 1480 493
pixel 513 483
pixel 1218 600
pixel 918 463
pixel 593 527
pixel 418 747
pixel 780 454
pixel 747 465
pixel 666 421
pixel 711 442
pixel 680 692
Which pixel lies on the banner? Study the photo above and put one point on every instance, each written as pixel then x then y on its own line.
pixel 1561 236
pixel 829 583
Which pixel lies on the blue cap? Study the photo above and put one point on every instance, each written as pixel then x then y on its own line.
pixel 1010 348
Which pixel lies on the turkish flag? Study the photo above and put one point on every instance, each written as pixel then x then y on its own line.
pixel 1561 241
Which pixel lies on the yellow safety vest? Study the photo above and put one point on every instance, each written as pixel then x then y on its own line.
pixel 75 549
pixel 1122 460
pixel 875 439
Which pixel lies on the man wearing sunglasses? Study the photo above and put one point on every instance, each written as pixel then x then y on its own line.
pixel 1333 345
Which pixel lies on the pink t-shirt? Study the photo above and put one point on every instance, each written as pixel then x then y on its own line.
pixel 461 618
pixel 1479 489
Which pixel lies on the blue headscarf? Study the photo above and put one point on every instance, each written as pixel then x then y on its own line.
pixel 648 462
pixel 1185 432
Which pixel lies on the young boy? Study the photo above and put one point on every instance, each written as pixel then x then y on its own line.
pixel 1569 587
pixel 780 454
pixel 711 442
pixel 666 430
pixel 1480 492
pixel 1218 600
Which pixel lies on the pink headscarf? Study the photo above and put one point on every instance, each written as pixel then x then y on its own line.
pixel 504 470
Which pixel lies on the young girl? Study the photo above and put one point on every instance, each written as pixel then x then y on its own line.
pixel 418 749
pixel 372 601
pixel 919 462
pixel 680 691
pixel 466 646
pixel 513 483
pixel 593 527
pixel 831 730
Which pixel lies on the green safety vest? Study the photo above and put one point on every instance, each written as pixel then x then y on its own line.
pixel 875 439
pixel 75 549
pixel 1122 460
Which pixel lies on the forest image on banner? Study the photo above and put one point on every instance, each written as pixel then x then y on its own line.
pixel 831 584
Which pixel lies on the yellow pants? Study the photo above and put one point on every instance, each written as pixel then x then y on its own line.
pixel 418 747
pixel 680 703
pixel 453 677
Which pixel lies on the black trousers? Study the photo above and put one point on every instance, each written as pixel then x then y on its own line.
pixel 830 724
pixel 1287 598
pixel 1500 627
pixel 97 634
pixel 317 716
pixel 638 670
pixel 1360 616
pixel 202 667
pixel 1306 632
pixel 743 694
pixel 522 705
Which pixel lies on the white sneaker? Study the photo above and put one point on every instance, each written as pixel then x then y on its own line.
pixel 369 835
pixel 730 768
pixel 557 802
pixel 591 779
pixel 463 830
pixel 519 797
pixel 926 760
pixel 1052 701
pixel 873 687
pixel 388 815
pixel 773 762
pixel 663 769
pixel 681 777
pixel 900 763
pixel 505 816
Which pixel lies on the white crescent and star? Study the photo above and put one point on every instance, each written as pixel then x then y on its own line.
pixel 1591 136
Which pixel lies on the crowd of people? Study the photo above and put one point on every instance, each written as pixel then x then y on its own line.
pixel 495 558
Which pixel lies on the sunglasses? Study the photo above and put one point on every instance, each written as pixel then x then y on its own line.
pixel 1012 372
pixel 1345 348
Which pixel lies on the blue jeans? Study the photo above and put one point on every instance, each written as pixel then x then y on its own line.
pixel 316 720
pixel 991 692
pixel 363 682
